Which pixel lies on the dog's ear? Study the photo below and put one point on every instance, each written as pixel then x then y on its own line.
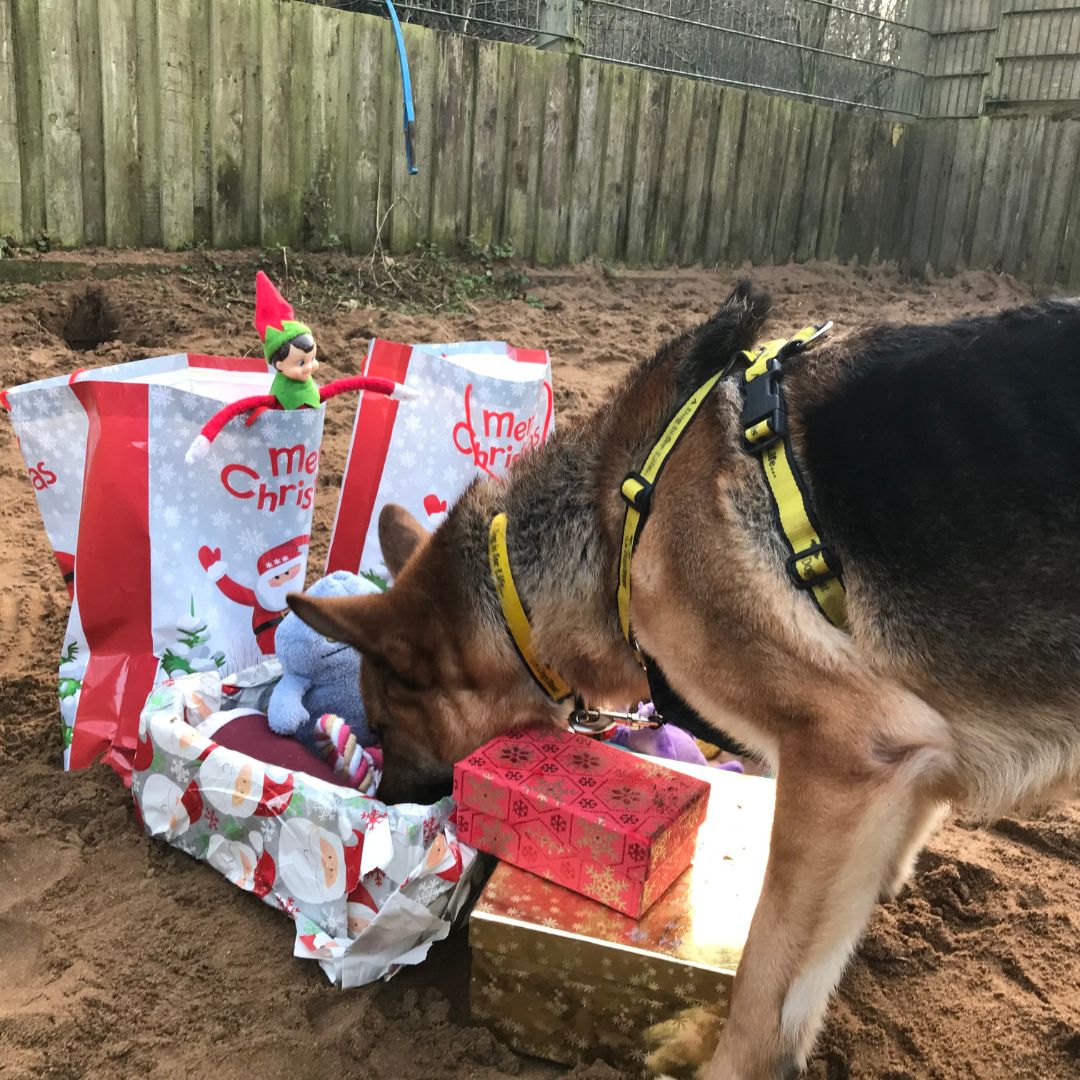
pixel 376 626
pixel 400 534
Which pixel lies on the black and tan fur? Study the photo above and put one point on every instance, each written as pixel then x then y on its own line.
pixel 944 464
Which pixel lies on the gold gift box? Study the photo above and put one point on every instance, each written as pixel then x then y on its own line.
pixel 565 978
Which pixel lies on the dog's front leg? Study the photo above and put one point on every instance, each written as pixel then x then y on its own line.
pixel 841 824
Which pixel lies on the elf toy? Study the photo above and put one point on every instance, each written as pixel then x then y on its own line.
pixel 289 348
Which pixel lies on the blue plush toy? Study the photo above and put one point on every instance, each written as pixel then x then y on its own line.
pixel 320 676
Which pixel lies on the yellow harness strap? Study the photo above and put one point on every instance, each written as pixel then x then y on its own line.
pixel 517 622
pixel 811 566
pixel 637 490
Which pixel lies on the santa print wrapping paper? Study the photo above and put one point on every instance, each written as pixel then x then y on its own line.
pixel 600 821
pixel 173 568
pixel 370 887
pixel 566 978
pixel 480 405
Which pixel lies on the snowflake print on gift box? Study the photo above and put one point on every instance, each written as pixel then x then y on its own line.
pixel 626 796
pixel 431 830
pixel 372 817
pixel 600 844
pixel 514 774
pixel 549 767
pixel 628 819
pixel 521 807
pixel 585 761
pixel 515 754
pixel 484 795
pixel 603 885
pixel 476 761
pixel 587 781
pixel 558 823
pixel 211 819
pixel 377 877
pixel 587 804
pixel 638 852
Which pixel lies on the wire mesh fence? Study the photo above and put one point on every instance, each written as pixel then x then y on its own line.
pixel 516 21
pixel 864 54
pixel 900 57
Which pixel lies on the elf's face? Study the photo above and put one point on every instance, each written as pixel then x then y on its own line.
pixel 300 364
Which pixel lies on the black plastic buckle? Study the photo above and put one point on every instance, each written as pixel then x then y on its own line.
pixel 832 567
pixel 763 400
pixel 642 501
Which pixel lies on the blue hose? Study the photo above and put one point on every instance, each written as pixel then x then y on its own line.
pixel 406 90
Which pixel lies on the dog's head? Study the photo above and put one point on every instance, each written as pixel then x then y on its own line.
pixel 439 677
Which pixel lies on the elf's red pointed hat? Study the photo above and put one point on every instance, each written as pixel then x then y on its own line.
pixel 275 322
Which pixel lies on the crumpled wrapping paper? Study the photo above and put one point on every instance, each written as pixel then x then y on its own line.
pixel 370 887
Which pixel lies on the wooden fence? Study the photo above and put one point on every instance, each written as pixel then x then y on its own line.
pixel 233 122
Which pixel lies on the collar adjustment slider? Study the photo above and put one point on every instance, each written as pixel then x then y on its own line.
pixel 637 492
pixel 763 418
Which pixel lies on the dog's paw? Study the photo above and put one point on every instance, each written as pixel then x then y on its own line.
pixel 682 1046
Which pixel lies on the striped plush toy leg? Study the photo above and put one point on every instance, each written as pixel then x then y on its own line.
pixel 339 748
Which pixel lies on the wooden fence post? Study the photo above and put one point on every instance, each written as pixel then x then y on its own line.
pixel 562 20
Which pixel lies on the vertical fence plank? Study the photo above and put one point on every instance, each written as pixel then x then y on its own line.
pixel 28 110
pixel 174 51
pixel 672 165
pixel 364 136
pixel 418 190
pixel 11 216
pixel 618 92
pixel 813 190
pixel 275 177
pixel 725 165
pixel 1046 176
pixel 792 183
pixel 853 213
pixel 1055 219
pixel 400 230
pixel 486 158
pixel 1019 212
pixel 948 248
pixel 555 139
pixel 123 214
pixel 648 140
pixel 250 117
pixel 929 180
pixel 318 218
pixel 301 106
pixel 700 150
pixel 450 193
pixel 748 179
pixel 522 150
pixel 771 181
pixel 835 182
pixel 91 123
pixel 587 162
pixel 226 122
pixel 148 120
pixel 948 162
pixel 985 239
pixel 60 113
pixel 201 157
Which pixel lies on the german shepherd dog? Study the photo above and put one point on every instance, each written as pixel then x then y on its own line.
pixel 944 467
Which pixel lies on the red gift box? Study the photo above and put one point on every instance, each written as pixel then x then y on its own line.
pixel 588 816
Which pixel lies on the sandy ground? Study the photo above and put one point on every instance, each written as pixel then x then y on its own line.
pixel 120 957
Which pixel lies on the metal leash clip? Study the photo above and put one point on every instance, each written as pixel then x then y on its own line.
pixel 601 723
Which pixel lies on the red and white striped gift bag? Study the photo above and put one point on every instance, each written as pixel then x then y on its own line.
pixel 480 405
pixel 173 568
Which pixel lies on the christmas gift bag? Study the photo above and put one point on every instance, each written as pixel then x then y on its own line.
pixel 174 568
pixel 369 887
pixel 480 405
